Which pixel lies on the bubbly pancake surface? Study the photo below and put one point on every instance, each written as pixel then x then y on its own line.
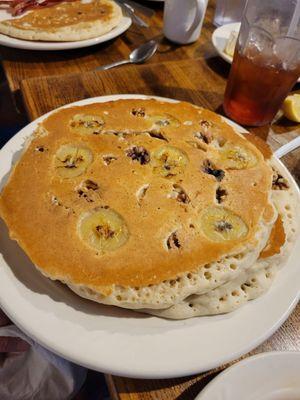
pixel 147 191
pixel 255 280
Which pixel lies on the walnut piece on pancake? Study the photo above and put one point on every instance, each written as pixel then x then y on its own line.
pixel 138 112
pixel 179 194
pixel 209 168
pixel 108 159
pixel 138 153
pixel 208 139
pixel 89 190
pixel 221 194
pixel 173 241
pixel 279 182
pixel 205 125
pixel 204 137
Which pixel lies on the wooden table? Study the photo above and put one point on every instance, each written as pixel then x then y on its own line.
pixel 200 80
pixel 23 64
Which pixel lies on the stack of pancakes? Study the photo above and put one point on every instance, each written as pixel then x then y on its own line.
pixel 153 206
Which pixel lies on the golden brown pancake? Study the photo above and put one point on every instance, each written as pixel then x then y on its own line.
pixel 149 190
pixel 67 21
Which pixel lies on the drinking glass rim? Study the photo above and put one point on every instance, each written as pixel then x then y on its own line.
pixel 267 32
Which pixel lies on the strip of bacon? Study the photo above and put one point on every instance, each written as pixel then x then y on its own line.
pixel 18 7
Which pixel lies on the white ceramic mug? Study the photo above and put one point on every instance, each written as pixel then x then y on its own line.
pixel 183 20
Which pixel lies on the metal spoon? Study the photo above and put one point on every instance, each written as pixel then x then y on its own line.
pixel 137 56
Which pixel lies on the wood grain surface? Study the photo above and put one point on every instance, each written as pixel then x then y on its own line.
pixel 22 64
pixel 200 81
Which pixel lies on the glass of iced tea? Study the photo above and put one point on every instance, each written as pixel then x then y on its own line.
pixel 266 63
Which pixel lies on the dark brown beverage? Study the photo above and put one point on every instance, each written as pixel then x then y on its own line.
pixel 256 88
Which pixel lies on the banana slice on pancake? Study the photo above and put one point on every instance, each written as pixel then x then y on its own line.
pixel 164 120
pixel 72 160
pixel 233 156
pixel 169 161
pixel 87 124
pixel 103 229
pixel 220 224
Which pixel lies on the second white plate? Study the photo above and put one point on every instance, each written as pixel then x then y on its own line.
pixel 39 45
pixel 220 37
pixel 122 342
pixel 266 376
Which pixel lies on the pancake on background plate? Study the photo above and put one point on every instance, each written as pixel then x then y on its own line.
pixel 148 205
pixel 66 21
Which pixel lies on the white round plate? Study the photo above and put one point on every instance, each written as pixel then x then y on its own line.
pixel 39 45
pixel 220 37
pixel 267 376
pixel 122 342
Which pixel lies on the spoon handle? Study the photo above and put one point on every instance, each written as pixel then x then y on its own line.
pixel 146 11
pixel 131 13
pixel 288 147
pixel 112 65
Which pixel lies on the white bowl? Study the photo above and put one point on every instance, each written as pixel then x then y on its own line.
pixel 267 376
